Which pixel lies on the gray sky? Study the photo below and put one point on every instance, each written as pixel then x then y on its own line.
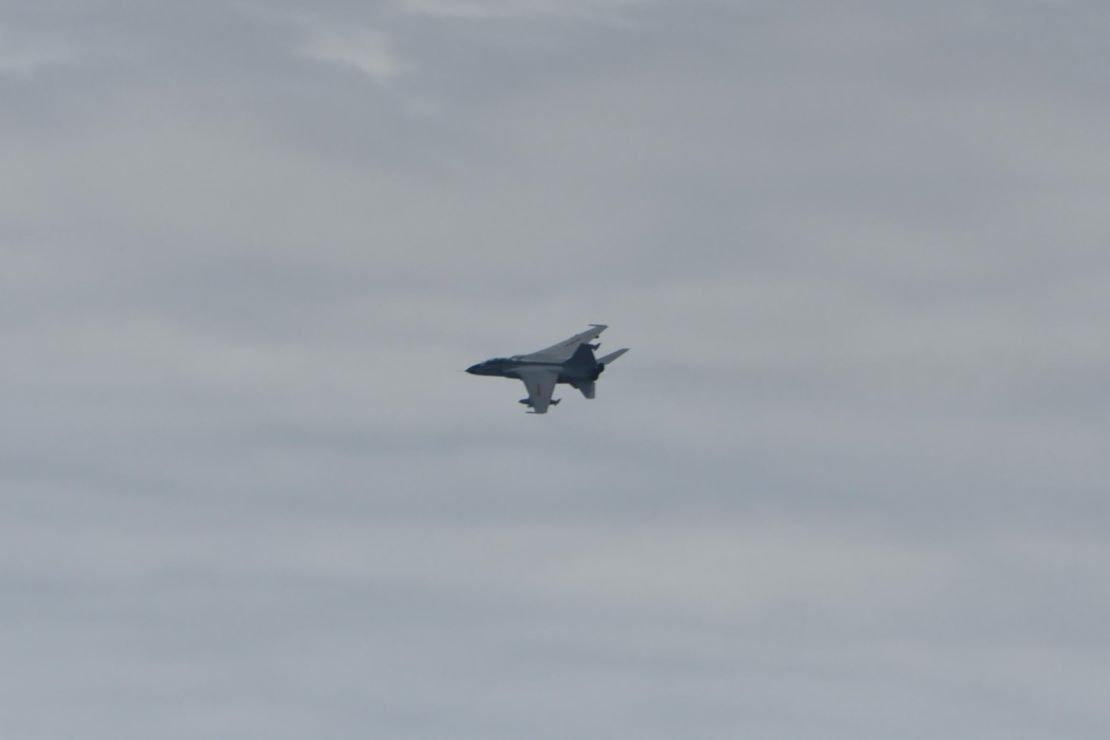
pixel 849 483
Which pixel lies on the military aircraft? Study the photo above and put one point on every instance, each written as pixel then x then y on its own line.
pixel 571 361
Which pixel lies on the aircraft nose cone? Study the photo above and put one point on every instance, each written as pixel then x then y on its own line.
pixel 473 369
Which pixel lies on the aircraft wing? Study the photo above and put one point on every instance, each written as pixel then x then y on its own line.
pixel 564 349
pixel 540 383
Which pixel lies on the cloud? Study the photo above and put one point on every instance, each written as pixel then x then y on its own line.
pixel 595 10
pixel 367 51
pixel 24 54
pixel 848 483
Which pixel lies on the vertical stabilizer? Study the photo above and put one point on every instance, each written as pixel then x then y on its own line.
pixel 582 357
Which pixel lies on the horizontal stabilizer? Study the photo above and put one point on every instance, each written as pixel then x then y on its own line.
pixel 587 388
pixel 611 356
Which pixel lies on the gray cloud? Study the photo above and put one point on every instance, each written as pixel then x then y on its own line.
pixel 848 483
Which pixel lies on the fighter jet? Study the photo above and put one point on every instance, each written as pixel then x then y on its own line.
pixel 571 361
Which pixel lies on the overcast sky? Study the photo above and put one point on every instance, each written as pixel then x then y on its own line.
pixel 850 482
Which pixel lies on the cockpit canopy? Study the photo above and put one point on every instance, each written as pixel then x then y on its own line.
pixel 493 366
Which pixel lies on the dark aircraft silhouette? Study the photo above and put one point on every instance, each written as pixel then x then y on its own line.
pixel 571 361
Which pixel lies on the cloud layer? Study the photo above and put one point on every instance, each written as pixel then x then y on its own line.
pixel 848 483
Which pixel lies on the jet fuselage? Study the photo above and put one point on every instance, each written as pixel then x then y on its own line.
pixel 571 361
pixel 572 372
